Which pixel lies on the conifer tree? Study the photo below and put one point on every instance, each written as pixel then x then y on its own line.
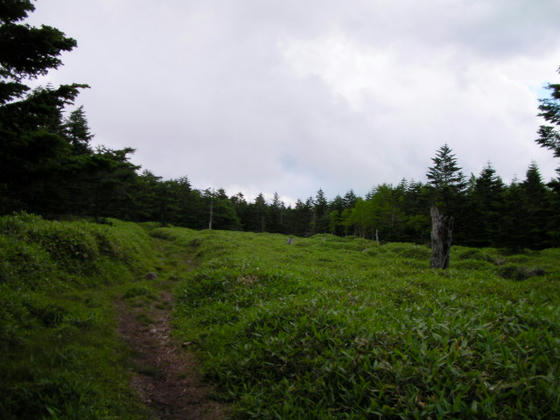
pixel 549 135
pixel 445 178
pixel 320 219
pixel 350 199
pixel 487 198
pixel 447 183
pixel 535 205
pixel 260 208
pixel 77 132
pixel 276 213
pixel 33 148
pixel 336 207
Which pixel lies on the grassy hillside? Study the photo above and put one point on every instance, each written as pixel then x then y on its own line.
pixel 340 328
pixel 324 328
pixel 61 355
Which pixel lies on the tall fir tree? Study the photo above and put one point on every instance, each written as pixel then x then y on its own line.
pixel 320 219
pixel 486 199
pixel 33 149
pixel 448 184
pixel 535 205
pixel 549 135
pixel 445 178
pixel 76 130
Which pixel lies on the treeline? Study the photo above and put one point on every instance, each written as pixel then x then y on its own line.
pixel 49 167
pixel 72 179
pixel 487 212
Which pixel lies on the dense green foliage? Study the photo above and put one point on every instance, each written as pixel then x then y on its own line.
pixel 327 327
pixel 549 135
pixel 61 355
pixel 335 327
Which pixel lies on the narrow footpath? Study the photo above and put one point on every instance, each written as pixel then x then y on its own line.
pixel 165 374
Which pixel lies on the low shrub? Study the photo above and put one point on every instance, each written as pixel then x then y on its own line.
pixel 348 329
pixel 472 264
pixel 519 273
pixel 472 254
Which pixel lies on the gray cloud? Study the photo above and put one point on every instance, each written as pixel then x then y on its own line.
pixel 291 96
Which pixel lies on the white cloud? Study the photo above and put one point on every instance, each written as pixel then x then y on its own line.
pixel 292 96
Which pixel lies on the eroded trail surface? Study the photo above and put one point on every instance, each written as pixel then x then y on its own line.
pixel 165 376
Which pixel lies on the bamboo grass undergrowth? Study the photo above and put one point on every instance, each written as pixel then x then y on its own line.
pixel 342 328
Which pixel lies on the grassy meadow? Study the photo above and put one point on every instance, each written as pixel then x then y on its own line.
pixel 61 356
pixel 327 327
pixel 333 327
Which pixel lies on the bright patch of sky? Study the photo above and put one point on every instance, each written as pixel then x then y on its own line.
pixel 289 96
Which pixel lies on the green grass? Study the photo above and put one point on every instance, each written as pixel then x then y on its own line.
pixel 325 328
pixel 340 328
pixel 61 354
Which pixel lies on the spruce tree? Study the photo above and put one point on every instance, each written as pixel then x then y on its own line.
pixel 486 198
pixel 350 199
pixel 336 207
pixel 320 220
pixel 26 52
pixel 447 183
pixel 276 215
pixel 33 149
pixel 549 135
pixel 535 206
pixel 77 132
pixel 446 180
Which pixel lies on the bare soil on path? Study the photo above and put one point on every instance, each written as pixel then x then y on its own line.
pixel 165 374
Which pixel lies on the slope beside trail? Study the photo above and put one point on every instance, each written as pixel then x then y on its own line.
pixel 165 375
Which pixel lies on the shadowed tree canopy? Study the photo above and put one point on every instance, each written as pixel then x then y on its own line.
pixel 445 177
pixel 448 184
pixel 47 164
pixel 25 51
pixel 77 131
pixel 549 135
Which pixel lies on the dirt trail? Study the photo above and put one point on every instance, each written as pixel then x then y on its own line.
pixel 165 375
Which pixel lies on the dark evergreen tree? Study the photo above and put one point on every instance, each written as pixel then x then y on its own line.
pixel 111 177
pixel 257 215
pixel 416 204
pixel 549 135
pixel 320 217
pixel 25 51
pixel 350 199
pixel 535 205
pixel 76 130
pixel 336 221
pixel 512 230
pixel 277 212
pixel 553 225
pixel 447 183
pixel 242 209
pixel 486 210
pixel 446 180
pixel 301 217
pixel 184 203
pixel 33 150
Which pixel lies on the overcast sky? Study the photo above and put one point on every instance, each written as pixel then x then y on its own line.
pixel 296 95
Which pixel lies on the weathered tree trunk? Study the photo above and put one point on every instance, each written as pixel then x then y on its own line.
pixel 211 214
pixel 442 228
